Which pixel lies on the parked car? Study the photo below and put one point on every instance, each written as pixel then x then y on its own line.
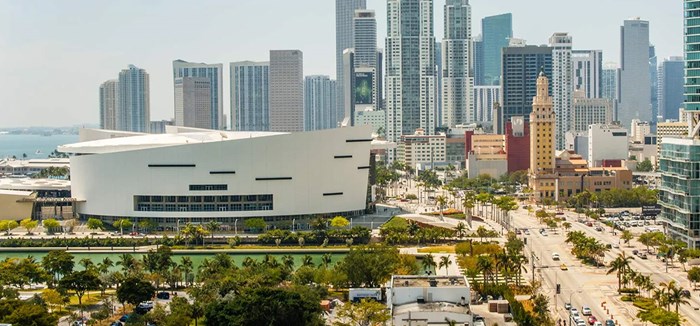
pixel 124 318
pixel 573 312
pixel 586 311
pixel 597 324
pixel 609 322
pixel 567 306
pixel 555 256
pixel 163 295
pixel 116 323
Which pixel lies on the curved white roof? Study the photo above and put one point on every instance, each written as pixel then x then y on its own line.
pixel 146 141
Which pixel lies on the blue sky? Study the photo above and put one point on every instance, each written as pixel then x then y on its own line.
pixel 54 54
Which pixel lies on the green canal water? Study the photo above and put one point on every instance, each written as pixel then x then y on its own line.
pixel 196 258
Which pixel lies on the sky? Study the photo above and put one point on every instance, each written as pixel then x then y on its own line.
pixel 55 54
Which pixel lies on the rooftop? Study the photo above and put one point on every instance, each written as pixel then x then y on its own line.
pixel 146 141
pixel 404 281
pixel 29 184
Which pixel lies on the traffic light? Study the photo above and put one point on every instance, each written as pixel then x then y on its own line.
pixel 558 288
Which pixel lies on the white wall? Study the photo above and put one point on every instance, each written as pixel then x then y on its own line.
pixel 108 182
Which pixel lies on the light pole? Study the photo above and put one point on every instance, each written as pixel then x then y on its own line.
pixel 235 226
pixel 294 221
pixel 351 222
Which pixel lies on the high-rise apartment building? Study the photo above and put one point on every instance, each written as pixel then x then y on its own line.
pixel 609 84
pixel 250 96
pixel 562 88
pixel 286 91
pixel 410 68
pixel 634 86
pixel 193 102
pixel 457 83
pixel 542 129
pixel 588 72
pixel 109 92
pixel 484 99
pixel 214 73
pixel 587 111
pixel 367 62
pixel 478 60
pixel 319 103
pixel 521 66
pixel 134 106
pixel 496 31
pixel 670 96
pixel 344 39
pixel 654 83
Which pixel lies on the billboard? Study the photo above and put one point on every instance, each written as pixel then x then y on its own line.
pixel 364 84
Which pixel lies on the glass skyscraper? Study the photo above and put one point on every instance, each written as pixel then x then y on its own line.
pixel 495 33
pixel 521 67
pixel 319 103
pixel 344 39
pixel 250 96
pixel 456 92
pixel 670 90
pixel 679 159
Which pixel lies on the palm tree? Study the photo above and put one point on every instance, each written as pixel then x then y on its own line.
pixel 460 230
pixel 621 265
pixel 186 266
pixel 307 261
pixel 105 265
pixel 212 227
pixel 661 297
pixel 288 262
pixel 326 259
pixel 428 262
pixel 485 266
pixel 270 261
pixel 445 262
pixel 517 264
pixel 249 262
pixel 87 263
pixel 441 201
pixel 676 295
pixel 502 262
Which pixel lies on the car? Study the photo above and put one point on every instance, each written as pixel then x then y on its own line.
pixel 567 306
pixel 478 317
pixel 609 322
pixel 599 229
pixel 597 324
pixel 555 256
pixel 580 323
pixel 543 233
pixel 592 320
pixel 163 295
pixel 573 312
pixel 508 317
pixel 642 255
pixel 585 311
pixel 518 232
pixel 589 224
pixel 124 318
pixel 685 293
pixel 116 323
pixel 563 267
pixel 479 323
pixel 634 252
pixel 526 231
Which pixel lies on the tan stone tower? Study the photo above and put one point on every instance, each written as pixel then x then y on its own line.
pixel 542 131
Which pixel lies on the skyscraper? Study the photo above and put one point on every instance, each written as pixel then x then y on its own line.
pixel 250 96
pixel 521 68
pixel 678 159
pixel 496 32
pixel 588 72
pixel 366 62
pixel 134 106
pixel 670 83
pixel 456 93
pixel 286 91
pixel 344 39
pixel 610 81
pixel 410 68
pixel 654 83
pixel 193 102
pixel 214 72
pixel 484 99
pixel 562 88
pixel 109 91
pixel 319 103
pixel 634 84
pixel 478 60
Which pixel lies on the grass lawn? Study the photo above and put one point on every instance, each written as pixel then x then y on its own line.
pixel 438 250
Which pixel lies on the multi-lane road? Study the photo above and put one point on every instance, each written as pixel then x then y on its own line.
pixel 584 285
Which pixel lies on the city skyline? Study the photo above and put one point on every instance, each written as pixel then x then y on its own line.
pixel 39 47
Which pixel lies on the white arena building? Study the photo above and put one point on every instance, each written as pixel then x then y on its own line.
pixel 196 175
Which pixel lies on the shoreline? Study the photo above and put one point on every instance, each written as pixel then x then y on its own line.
pixel 143 250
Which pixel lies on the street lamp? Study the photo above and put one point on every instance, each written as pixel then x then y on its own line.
pixel 235 226
pixel 294 221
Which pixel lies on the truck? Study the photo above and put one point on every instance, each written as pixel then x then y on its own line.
pixel 357 294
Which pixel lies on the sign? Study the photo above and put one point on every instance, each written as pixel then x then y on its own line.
pixel 364 85
pixel 651 210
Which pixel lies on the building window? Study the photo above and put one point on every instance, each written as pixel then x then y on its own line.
pixel 145 203
pixel 208 187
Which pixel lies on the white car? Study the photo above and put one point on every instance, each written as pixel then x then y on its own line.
pixel 555 256
pixel 573 312
pixel 597 324
pixel 586 311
